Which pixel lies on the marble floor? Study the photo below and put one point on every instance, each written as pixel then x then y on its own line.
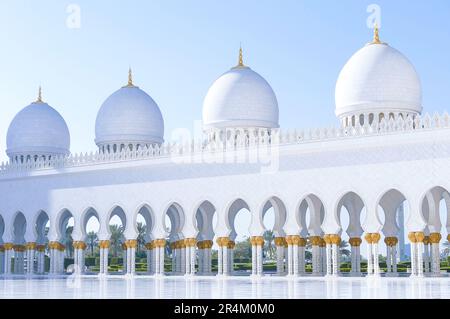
pixel 224 288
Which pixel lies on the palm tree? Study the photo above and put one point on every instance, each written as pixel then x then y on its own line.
pixel 343 249
pixel 68 241
pixel 268 238
pixel 92 241
pixel 141 229
pixel 116 236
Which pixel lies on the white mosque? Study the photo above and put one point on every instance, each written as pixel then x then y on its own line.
pixel 384 156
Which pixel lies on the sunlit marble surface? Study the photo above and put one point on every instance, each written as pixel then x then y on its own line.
pixel 213 287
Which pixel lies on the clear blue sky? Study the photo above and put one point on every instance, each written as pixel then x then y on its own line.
pixel 178 48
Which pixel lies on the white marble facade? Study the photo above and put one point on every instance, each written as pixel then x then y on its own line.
pixel 384 154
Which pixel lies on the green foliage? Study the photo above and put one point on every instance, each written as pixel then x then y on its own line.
pixel 89 261
pixel 115 239
pixel 243 249
pixel 67 262
pixel 91 242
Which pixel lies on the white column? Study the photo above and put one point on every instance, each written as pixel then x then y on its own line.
pixel 208 254
pixel 131 252
pixel 183 259
pixel 435 238
pixel 161 259
pixel 376 263
pixel 426 256
pixel 316 258
pixel 335 259
pixel 105 260
pixel 201 261
pixel 329 259
pixel 369 259
pixel 225 260
pixel 102 264
pixel 30 261
pixel 301 265
pixel 254 260
pixel 187 259
pixel 413 259
pixel 435 259
pixel 8 256
pixel 178 258
pixel 388 259
pixel 323 258
pixel 290 259
pixel 295 257
pixel 157 262
pixel 2 260
pixel 220 259
pixel 193 255
pixel 280 250
pixel 419 246
pixel 259 260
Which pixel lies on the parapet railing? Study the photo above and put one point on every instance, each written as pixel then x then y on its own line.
pixel 234 139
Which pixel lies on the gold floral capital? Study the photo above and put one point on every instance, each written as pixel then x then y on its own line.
pixel 190 242
pixel 223 241
pixel 368 238
pixel 279 241
pixel 315 240
pixel 131 243
pixel 355 241
pixel 391 241
pixel 257 240
pixel 103 244
pixel 435 238
pixel 30 246
pixel 19 248
pixel 8 246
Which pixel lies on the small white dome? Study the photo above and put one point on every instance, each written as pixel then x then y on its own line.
pixel 240 98
pixel 378 78
pixel 129 116
pixel 38 130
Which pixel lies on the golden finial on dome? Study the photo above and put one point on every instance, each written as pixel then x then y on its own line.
pixel 39 99
pixel 241 58
pixel 376 35
pixel 130 77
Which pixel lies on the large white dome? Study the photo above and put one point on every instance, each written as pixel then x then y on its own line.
pixel 37 130
pixel 240 98
pixel 378 78
pixel 129 116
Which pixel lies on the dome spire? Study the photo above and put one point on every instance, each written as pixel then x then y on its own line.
pixel 241 57
pixel 130 77
pixel 39 98
pixel 376 35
